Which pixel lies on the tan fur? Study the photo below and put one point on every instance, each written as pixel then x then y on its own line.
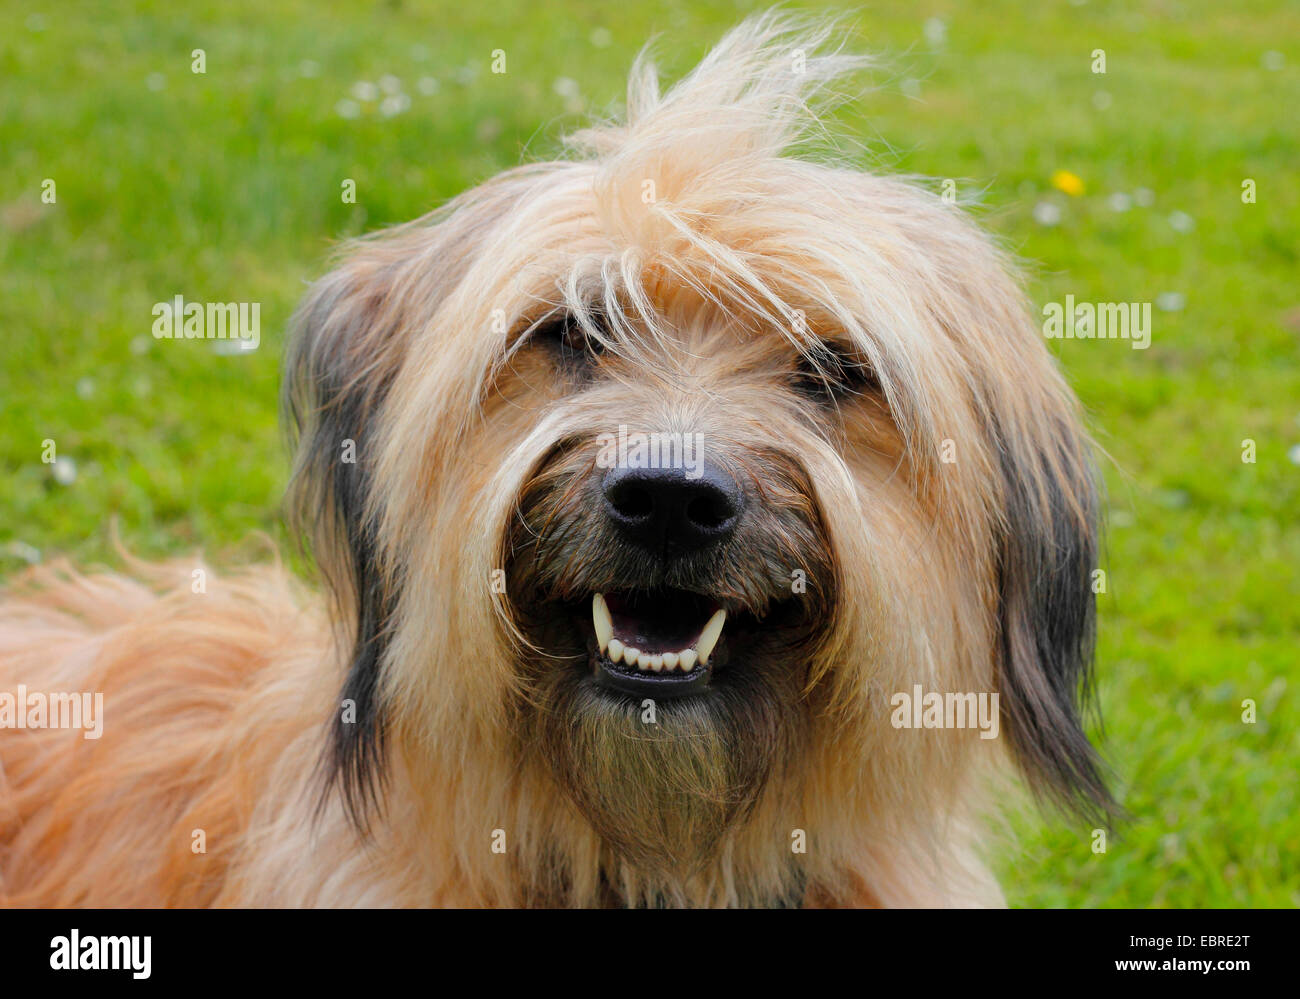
pixel 217 705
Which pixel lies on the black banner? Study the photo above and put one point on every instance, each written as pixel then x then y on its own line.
pixel 1219 950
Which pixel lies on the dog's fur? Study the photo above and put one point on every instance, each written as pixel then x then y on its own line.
pixel 857 354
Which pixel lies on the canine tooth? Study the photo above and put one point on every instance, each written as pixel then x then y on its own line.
pixel 670 661
pixel 601 619
pixel 687 659
pixel 630 656
pixel 657 663
pixel 710 635
pixel 615 650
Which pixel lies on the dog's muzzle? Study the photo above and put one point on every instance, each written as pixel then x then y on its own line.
pixel 670 582
pixel 661 643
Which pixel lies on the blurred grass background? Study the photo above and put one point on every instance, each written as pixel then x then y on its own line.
pixel 226 186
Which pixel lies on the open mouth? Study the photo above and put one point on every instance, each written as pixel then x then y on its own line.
pixel 660 643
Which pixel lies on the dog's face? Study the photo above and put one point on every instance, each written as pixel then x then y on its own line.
pixel 671 466
pixel 670 565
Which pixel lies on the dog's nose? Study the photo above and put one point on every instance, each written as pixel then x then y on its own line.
pixel 661 507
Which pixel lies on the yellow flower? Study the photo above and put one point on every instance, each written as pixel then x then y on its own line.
pixel 1068 182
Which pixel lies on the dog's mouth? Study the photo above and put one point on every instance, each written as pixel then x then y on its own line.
pixel 668 641
pixel 663 642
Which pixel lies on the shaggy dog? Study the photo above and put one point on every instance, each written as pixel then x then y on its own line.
pixel 678 503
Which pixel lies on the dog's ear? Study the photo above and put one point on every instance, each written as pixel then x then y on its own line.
pixel 1047 553
pixel 348 340
pixel 342 356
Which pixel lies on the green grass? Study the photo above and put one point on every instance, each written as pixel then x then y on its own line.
pixel 226 187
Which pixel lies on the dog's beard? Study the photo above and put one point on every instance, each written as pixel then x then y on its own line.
pixel 666 781
pixel 664 791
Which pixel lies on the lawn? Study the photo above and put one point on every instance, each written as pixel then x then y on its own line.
pixel 1123 186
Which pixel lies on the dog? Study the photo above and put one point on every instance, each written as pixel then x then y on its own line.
pixel 676 501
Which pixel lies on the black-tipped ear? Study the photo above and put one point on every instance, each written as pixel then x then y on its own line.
pixel 338 370
pixel 349 339
pixel 1048 552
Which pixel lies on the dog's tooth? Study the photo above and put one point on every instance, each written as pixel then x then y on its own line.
pixel 657 663
pixel 687 659
pixel 631 655
pixel 710 635
pixel 601 619
pixel 670 661
pixel 615 650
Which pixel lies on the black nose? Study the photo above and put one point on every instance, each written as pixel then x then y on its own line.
pixel 663 507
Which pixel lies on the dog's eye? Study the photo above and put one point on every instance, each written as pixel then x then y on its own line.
pixel 829 373
pixel 565 337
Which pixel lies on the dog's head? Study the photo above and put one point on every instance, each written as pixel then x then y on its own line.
pixel 646 479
